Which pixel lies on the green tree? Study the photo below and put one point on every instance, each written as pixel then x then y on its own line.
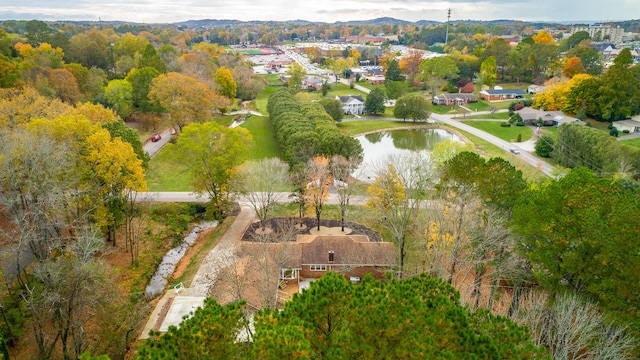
pixel 394 319
pixel 296 74
pixel 375 102
pixel 141 79
pixel 151 59
pixel 488 71
pixel 333 107
pixel 210 333
pixel 413 106
pixel 396 89
pixel 436 70
pixel 212 153
pixel 119 95
pixel 393 72
pixel 545 145
pixel 580 237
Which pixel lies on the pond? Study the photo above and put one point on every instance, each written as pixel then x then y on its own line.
pixel 380 145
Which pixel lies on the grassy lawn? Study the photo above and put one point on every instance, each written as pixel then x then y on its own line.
pixel 600 125
pixel 266 145
pixel 632 142
pixel 505 133
pixel 354 128
pixel 496 116
pixel 165 174
pixel 343 90
pixel 261 100
pixel 489 150
pixel 272 79
pixel 365 84
pixel 551 130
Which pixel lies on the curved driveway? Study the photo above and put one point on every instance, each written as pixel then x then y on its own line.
pixel 540 164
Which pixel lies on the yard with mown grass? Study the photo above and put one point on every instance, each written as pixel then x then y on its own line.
pixel 505 133
pixel 631 142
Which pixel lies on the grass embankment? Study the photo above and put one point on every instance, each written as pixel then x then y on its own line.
pixel 505 133
pixel 632 142
pixel 354 128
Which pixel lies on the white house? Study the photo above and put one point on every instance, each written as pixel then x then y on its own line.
pixel 352 105
pixel 628 125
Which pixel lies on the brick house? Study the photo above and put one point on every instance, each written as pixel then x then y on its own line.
pixel 454 99
pixel 502 94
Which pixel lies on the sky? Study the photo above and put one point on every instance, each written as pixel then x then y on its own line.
pixel 169 11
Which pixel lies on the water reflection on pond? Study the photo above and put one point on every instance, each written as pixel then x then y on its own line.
pixel 378 146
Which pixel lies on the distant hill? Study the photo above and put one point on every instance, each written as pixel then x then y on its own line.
pixel 378 21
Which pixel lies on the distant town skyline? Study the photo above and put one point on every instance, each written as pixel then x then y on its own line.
pixel 170 11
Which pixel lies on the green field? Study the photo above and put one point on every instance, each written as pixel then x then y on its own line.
pixel 167 174
pixel 496 116
pixel 505 133
pixel 266 145
pixel 632 142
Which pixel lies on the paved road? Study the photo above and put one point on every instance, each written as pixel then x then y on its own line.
pixel 191 197
pixel 542 165
pixel 152 148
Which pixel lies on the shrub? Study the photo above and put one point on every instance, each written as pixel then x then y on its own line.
pixel 505 124
pixel 519 138
pixel 625 131
pixel 544 146
pixel 520 123
pixel 614 132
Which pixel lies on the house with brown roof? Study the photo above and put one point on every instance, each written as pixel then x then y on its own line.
pixel 311 256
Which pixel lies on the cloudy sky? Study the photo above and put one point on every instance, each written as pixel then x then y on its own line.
pixel 154 11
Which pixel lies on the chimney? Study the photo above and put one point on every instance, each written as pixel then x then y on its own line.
pixel 330 255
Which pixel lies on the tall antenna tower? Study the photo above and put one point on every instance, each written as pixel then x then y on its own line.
pixel 446 38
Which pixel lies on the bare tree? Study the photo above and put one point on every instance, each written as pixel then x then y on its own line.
pixel 341 169
pixel 271 255
pixel 67 288
pixel 134 219
pixel 397 192
pixel 317 190
pixel 261 181
pixel 572 328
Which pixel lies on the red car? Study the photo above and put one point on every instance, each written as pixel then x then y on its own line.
pixel 156 137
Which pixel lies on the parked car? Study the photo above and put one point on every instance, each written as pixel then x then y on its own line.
pixel 515 150
pixel 156 137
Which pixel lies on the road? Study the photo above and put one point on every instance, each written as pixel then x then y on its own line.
pixel 524 155
pixel 283 197
pixel 152 148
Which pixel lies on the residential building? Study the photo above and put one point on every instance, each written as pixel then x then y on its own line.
pixel 454 99
pixel 530 116
pixel 627 125
pixel 352 105
pixel 502 94
pixel 600 32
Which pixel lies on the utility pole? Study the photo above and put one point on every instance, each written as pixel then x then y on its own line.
pixel 446 38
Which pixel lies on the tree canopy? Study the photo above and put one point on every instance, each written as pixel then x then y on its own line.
pixel 417 318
